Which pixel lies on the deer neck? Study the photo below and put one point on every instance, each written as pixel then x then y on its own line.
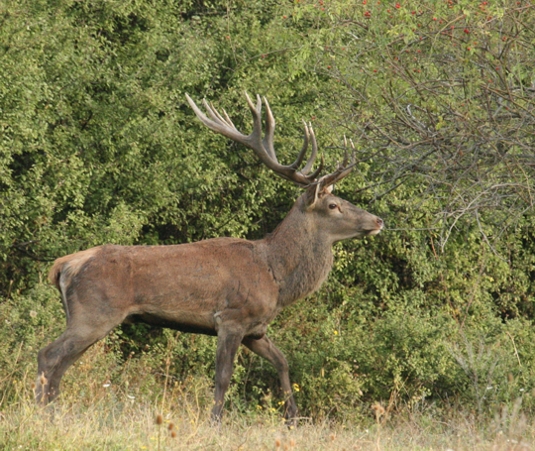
pixel 299 255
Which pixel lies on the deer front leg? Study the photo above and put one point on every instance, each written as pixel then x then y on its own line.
pixel 227 345
pixel 265 348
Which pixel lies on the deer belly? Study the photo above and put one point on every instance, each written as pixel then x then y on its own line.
pixel 182 321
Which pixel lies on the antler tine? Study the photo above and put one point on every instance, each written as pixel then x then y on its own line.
pixel 309 132
pixel 339 174
pixel 256 112
pixel 346 157
pixel 214 122
pixel 196 109
pixel 343 169
pixel 270 131
pixel 302 152
pixel 228 120
pixel 261 146
pixel 317 172
pixel 216 116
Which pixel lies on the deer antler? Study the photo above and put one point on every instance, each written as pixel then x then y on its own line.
pixel 343 169
pixel 264 148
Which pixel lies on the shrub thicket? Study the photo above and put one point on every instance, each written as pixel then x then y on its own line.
pixel 97 145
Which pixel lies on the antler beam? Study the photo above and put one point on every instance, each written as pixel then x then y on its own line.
pixel 263 147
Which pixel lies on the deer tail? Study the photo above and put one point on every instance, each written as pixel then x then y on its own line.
pixel 55 272
pixel 65 268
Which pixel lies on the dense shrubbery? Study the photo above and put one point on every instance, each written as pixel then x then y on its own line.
pixel 97 145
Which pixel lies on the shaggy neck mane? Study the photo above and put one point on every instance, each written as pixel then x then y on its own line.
pixel 299 254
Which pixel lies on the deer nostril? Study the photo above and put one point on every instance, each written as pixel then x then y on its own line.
pixel 380 222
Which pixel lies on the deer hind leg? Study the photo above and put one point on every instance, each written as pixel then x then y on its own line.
pixel 265 348
pixel 54 359
pixel 227 345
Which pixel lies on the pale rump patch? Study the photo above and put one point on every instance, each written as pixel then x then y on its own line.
pixel 71 264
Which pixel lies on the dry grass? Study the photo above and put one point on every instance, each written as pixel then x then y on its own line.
pixel 93 414
pixel 115 424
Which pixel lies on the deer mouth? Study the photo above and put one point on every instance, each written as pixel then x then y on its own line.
pixel 380 226
pixel 374 232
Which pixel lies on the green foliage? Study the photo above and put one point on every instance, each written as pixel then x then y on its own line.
pixel 97 145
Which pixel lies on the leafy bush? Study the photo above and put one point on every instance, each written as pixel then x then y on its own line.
pixel 97 145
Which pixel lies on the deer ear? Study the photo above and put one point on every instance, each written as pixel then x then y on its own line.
pixel 315 192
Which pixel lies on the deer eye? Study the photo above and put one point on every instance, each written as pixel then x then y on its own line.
pixel 332 206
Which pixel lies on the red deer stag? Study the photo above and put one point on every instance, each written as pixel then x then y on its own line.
pixel 228 287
